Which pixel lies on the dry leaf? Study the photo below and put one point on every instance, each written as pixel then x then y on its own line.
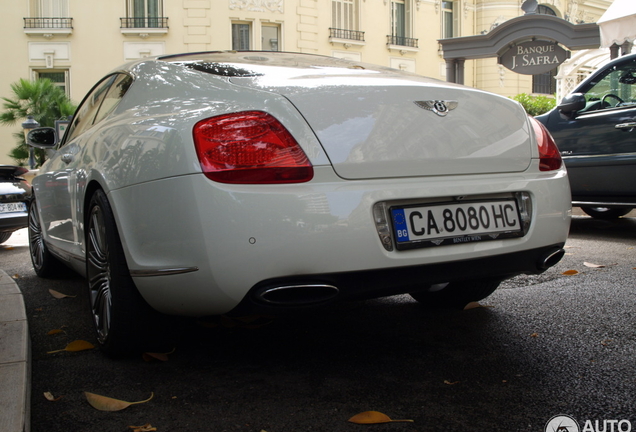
pixel 49 396
pixel 54 332
pixel 16 276
pixel 59 295
pixel 534 335
pixel 447 382
pixel 476 305
pixel 606 342
pixel 148 356
pixel 587 264
pixel 78 345
pixel 104 403
pixel 373 417
pixel 570 272
pixel 145 428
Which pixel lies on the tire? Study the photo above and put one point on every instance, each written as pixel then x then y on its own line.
pixel 455 295
pixel 44 264
pixel 4 236
pixel 123 321
pixel 606 213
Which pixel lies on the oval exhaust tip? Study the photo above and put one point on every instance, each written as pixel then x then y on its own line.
pixel 298 295
pixel 551 259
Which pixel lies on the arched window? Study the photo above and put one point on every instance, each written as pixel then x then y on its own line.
pixel 545 10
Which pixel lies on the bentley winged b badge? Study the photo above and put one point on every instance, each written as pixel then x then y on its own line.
pixel 441 108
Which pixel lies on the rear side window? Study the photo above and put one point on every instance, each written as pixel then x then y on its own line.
pixel 117 91
pixel 101 101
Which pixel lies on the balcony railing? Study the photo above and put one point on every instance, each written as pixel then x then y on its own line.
pixel 401 41
pixel 346 34
pixel 146 22
pixel 48 23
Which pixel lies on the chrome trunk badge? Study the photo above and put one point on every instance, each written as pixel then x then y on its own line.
pixel 439 107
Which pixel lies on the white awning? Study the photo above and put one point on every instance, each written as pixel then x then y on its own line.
pixel 618 23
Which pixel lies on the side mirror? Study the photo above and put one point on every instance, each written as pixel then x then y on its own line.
pixel 571 104
pixel 42 137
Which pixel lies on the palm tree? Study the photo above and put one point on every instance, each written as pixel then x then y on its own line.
pixel 41 99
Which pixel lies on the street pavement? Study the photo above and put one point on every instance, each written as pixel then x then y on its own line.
pixel 542 345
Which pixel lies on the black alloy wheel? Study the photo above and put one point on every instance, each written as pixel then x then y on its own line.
pixel 606 213
pixel 44 264
pixel 122 319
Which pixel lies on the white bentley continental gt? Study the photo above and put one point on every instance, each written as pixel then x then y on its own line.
pixel 242 182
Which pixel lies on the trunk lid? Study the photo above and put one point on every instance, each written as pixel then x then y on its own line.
pixel 376 124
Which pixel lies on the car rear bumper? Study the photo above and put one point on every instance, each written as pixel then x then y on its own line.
pixel 302 291
pixel 233 240
pixel 13 221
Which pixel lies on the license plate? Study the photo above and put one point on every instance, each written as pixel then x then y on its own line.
pixel 455 223
pixel 13 207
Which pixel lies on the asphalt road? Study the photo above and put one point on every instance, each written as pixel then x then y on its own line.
pixel 538 347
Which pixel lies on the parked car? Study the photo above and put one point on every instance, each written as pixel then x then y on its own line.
pixel 595 130
pixel 241 182
pixel 15 196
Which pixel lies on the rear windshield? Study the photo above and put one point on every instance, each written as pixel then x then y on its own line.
pixel 253 64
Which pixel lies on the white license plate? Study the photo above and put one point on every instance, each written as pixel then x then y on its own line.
pixel 454 223
pixel 13 207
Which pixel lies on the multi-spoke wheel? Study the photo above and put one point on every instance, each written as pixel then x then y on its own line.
pixel 455 295
pixel 44 264
pixel 4 236
pixel 122 318
pixel 607 213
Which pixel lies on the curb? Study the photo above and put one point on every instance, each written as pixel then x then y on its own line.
pixel 15 359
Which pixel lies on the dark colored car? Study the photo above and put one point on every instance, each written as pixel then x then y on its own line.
pixel 595 130
pixel 15 196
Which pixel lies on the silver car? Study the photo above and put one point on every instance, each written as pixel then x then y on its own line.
pixel 241 182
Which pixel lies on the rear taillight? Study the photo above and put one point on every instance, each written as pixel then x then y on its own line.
pixel 549 156
pixel 249 147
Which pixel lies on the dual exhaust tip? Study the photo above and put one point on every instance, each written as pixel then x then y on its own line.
pixel 306 295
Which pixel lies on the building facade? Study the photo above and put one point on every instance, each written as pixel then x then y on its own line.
pixel 76 42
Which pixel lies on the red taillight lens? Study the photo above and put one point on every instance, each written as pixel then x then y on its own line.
pixel 249 147
pixel 549 156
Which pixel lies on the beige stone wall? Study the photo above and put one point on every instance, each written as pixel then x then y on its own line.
pixel 97 44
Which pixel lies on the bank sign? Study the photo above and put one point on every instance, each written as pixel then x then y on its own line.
pixel 533 57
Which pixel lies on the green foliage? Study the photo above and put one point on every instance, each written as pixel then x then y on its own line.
pixel 41 99
pixel 535 105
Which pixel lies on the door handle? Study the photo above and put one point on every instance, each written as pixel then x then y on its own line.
pixel 628 125
pixel 67 158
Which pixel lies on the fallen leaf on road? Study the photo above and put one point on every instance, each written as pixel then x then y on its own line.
pixel 373 417
pixel 104 403
pixel 570 272
pixel 59 295
pixel 534 335
pixel 447 382
pixel 148 356
pixel 145 428
pixel 587 264
pixel 49 396
pixel 476 305
pixel 78 345
pixel 55 331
